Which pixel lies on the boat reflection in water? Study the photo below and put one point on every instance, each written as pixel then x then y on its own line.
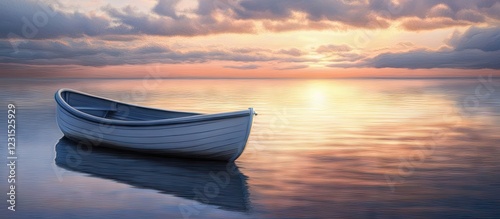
pixel 209 182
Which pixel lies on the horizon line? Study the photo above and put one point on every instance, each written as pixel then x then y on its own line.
pixel 236 78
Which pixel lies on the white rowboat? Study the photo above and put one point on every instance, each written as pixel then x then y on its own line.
pixel 91 121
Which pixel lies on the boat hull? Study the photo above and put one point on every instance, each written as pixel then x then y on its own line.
pixel 220 137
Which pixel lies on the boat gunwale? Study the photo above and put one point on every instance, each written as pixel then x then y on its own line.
pixel 61 102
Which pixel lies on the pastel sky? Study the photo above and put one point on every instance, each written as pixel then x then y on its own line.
pixel 249 38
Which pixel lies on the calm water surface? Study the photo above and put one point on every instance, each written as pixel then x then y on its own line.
pixel 318 149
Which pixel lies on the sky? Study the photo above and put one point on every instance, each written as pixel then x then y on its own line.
pixel 249 38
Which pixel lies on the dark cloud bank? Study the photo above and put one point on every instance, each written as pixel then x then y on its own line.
pixel 35 19
pixel 477 48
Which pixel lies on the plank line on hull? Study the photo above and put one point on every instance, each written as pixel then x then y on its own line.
pixel 180 146
pixel 207 134
pixel 234 127
pixel 155 128
pixel 217 147
pixel 111 141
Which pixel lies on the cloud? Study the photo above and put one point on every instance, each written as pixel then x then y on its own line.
pixel 333 48
pixel 455 9
pixel 347 57
pixel 243 67
pixel 124 38
pixel 440 10
pixel 291 52
pixel 31 19
pixel 291 67
pixel 340 53
pixel 297 24
pixel 95 52
pixel 374 14
pixel 470 59
pixel 356 15
pixel 247 50
pixel 172 25
pixel 405 45
pixel 37 20
pixel 166 8
pixel 470 15
pixel 417 24
pixel 485 39
pixel 477 48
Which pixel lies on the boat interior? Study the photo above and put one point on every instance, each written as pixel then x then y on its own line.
pixel 109 109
